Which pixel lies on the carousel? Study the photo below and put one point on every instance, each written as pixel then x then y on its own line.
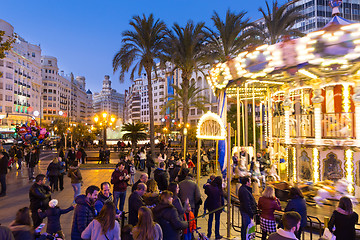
pixel 306 94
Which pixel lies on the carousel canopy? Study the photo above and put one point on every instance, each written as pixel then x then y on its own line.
pixel 331 51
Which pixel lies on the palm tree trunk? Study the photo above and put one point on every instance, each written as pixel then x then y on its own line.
pixel 185 79
pixel 151 111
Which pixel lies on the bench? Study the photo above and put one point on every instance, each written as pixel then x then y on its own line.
pixel 92 159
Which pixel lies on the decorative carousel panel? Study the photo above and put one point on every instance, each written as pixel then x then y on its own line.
pixel 332 167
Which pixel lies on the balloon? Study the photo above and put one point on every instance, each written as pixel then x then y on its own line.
pixel 41 141
pixel 28 136
pixel 41 136
pixel 22 131
pixel 43 131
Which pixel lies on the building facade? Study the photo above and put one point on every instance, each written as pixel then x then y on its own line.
pixel 20 81
pixel 62 96
pixel 108 100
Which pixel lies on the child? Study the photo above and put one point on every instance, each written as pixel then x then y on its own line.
pixel 53 214
pixel 188 215
pixel 132 171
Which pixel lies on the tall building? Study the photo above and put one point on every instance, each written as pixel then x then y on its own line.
pixel 63 96
pixel 20 81
pixel 318 13
pixel 134 101
pixel 108 100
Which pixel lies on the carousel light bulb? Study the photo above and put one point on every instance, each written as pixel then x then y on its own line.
pixel 316 175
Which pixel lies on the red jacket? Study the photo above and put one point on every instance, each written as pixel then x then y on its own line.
pixel 268 206
pixel 192 224
pixel 119 185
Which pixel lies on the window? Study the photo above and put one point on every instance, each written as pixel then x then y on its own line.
pixel 8 87
pixel 192 111
pixel 8 109
pixel 49 61
pixel 0 108
pixel 45 97
pixel 199 111
pixel 161 93
pixel 33 54
pixel 1 98
pixel 8 98
pixel 9 76
pixel 1 85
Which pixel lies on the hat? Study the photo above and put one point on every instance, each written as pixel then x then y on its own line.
pixel 53 203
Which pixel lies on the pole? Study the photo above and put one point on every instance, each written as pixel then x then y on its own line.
pixel 246 118
pixel 184 146
pixel 261 126
pixel 65 141
pixel 217 155
pixel 105 136
pixel 238 118
pixel 198 162
pixel 228 182
pixel 254 124
pixel 243 123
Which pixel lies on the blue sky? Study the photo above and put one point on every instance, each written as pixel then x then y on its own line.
pixel 85 34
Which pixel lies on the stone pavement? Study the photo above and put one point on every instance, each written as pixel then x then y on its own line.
pixel 18 187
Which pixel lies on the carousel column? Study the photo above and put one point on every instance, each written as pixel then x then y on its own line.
pixel 317 99
pixel 287 105
pixel 356 99
pixel 269 114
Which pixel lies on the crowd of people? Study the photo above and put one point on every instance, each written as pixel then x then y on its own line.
pixel 164 202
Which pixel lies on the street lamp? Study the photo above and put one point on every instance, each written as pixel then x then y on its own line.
pixel 105 121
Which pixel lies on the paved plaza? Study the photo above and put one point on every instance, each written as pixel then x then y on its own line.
pixel 18 193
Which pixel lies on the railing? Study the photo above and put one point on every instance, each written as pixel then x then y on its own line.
pixel 302 125
pixel 338 125
pixel 278 126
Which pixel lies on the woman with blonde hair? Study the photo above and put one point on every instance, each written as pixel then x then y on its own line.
pixel 268 203
pixel 104 226
pixel 146 228
pixel 151 197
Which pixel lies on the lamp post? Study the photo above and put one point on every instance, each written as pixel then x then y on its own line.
pixel 185 135
pixel 105 121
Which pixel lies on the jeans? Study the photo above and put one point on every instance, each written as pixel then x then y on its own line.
pixel 217 224
pixel 61 181
pixel 245 221
pixel 77 189
pixel 132 179
pixel 3 183
pixel 19 163
pixel 31 173
pixel 121 196
pixel 142 164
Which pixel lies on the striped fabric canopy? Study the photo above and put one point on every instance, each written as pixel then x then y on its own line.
pixel 336 20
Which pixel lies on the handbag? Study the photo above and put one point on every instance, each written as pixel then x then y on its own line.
pixel 250 230
pixel 328 235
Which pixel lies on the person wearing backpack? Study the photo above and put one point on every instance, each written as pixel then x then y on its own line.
pixel 76 178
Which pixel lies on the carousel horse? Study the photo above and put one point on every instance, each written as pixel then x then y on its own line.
pixel 273 173
pixel 256 175
pixel 334 193
pixel 241 169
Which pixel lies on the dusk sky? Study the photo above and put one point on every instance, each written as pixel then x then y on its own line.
pixel 84 35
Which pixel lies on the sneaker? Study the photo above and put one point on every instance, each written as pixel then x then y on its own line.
pixel 218 237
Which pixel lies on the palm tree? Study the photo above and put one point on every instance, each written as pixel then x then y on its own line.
pixel 142 45
pixel 185 50
pixel 134 132
pixel 279 21
pixel 230 36
pixel 195 99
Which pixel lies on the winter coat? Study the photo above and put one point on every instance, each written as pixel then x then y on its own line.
pixel 214 195
pixel 22 232
pixel 192 224
pixel 119 185
pixel 174 173
pixel 149 161
pixel 247 201
pixel 268 206
pixel 189 189
pixel 75 174
pixel 53 215
pixel 162 178
pixel 31 159
pixel 54 169
pixel 134 187
pixel 39 197
pixel 94 232
pixel 298 205
pixel 150 198
pixel 6 234
pixel 101 200
pixel 71 156
pixel 179 206
pixel 166 215
pixel 3 165
pixel 344 224
pixel 135 203
pixel 84 213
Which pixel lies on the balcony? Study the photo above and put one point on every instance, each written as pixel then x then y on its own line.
pixel 305 123
pixel 338 125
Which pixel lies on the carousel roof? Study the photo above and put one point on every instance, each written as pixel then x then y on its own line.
pixel 328 52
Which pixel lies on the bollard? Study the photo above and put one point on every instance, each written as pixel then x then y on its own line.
pixel 326 222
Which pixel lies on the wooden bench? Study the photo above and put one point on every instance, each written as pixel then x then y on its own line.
pixel 92 159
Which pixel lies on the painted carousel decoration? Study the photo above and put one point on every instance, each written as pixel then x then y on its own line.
pixel 308 90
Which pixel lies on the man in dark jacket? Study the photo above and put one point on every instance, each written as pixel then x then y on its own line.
pixel 40 196
pixel 31 160
pixel 161 177
pixel 143 179
pixel 71 156
pixel 167 216
pixel 247 205
pixel 136 202
pixel 6 234
pixel 119 178
pixel 189 189
pixel 3 171
pixel 104 197
pixel 84 211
